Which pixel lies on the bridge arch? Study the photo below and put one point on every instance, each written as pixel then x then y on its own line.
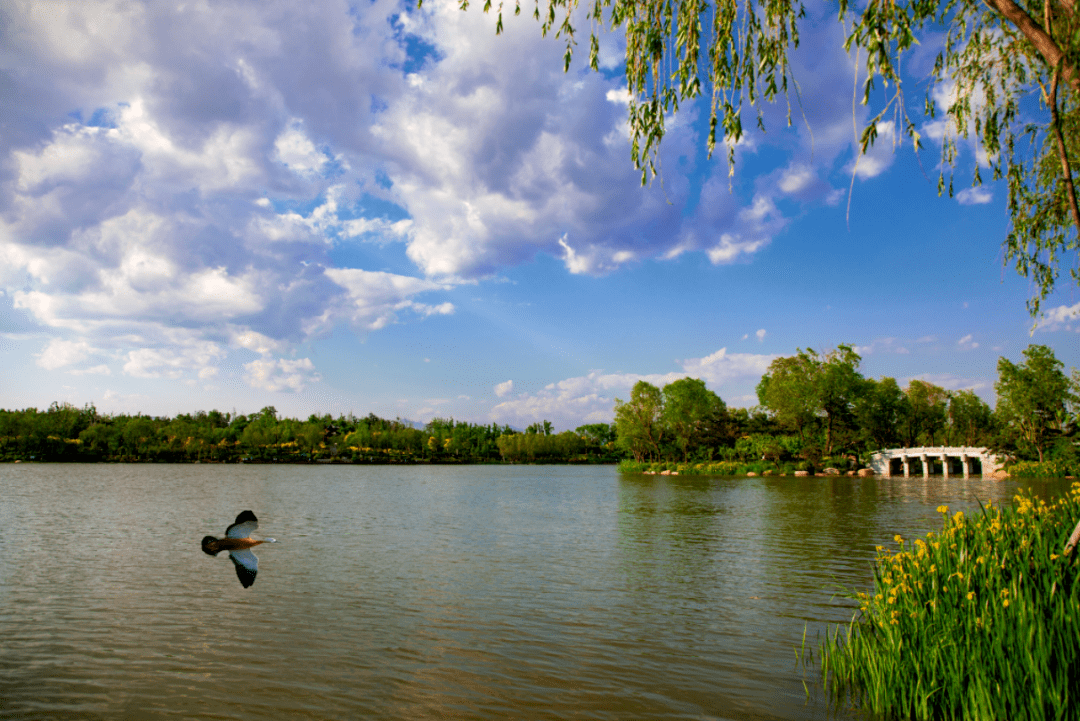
pixel 963 461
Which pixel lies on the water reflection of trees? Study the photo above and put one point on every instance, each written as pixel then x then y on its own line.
pixel 791 542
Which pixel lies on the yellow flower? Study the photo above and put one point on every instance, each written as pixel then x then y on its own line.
pixel 958 518
pixel 898 539
pixel 933 568
pixel 1005 603
pixel 942 509
pixel 971 595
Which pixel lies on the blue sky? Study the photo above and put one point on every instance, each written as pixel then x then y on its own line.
pixel 335 207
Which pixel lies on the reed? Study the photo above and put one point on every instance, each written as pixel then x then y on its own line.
pixel 979 621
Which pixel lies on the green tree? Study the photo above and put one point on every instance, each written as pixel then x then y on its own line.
pixel 786 389
pixel 1033 396
pixel 309 436
pixel 599 434
pixel 800 388
pixel 970 419
pixel 838 387
pixel 994 55
pixel 638 421
pixel 878 413
pixel 688 407
pixel 923 414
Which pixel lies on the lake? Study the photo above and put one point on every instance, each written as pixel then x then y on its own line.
pixel 476 592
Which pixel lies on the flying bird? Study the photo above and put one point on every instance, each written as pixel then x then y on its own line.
pixel 238 543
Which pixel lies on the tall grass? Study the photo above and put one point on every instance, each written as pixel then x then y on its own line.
pixel 979 621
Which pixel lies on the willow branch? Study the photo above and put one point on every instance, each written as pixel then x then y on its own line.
pixel 1066 170
pixel 1037 36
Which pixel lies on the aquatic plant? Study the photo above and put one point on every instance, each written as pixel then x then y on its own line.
pixel 979 621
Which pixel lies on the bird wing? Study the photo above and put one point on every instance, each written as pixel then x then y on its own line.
pixel 245 525
pixel 247 565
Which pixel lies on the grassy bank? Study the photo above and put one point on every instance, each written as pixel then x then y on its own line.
pixel 979 621
pixel 721 468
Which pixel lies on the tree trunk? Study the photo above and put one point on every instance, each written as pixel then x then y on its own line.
pixel 1038 37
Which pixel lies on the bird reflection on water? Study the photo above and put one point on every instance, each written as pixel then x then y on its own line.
pixel 238 542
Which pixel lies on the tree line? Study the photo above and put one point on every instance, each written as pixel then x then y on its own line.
pixel 815 410
pixel 818 410
pixel 67 433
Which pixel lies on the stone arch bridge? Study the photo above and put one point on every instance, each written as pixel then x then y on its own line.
pixel 965 461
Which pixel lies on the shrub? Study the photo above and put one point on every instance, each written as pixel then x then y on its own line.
pixel 1047 469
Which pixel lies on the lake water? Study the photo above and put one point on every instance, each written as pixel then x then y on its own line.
pixel 478 592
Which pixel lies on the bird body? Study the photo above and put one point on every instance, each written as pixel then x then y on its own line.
pixel 238 542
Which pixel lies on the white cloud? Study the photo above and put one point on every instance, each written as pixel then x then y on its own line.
pixel 977 195
pixel 590 398
pixel 760 335
pixel 377 297
pixel 255 341
pixel 59 353
pixel 797 179
pixel 967 342
pixel 880 155
pixel 1062 316
pixel 296 151
pixel 503 388
pixel 281 374
pixel 213 161
pixel 173 362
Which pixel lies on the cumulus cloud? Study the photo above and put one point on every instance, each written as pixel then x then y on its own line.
pixel 504 388
pixel 59 353
pixel 977 195
pixel 1062 317
pixel 298 153
pixel 967 342
pixel 173 362
pixel 760 335
pixel 376 297
pixel 281 374
pixel 173 184
pixel 591 398
pixel 880 155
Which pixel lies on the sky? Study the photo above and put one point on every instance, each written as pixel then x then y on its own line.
pixel 334 207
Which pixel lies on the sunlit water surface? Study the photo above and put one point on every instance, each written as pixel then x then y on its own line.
pixel 479 592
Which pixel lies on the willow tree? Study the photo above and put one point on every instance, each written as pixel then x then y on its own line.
pixel 995 55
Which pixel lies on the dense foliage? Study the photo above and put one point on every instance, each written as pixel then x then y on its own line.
pixel 818 411
pixel 67 433
pixel 980 621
